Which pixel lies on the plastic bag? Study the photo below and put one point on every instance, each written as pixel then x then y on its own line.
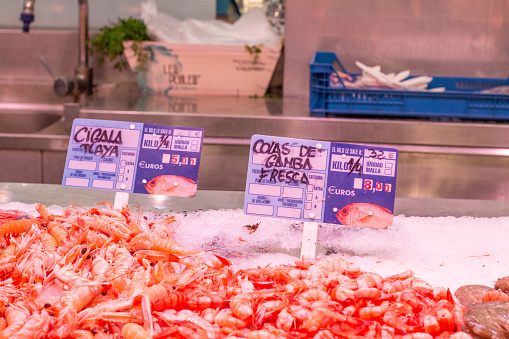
pixel 252 28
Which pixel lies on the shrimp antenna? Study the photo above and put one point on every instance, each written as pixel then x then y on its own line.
pixel 76 206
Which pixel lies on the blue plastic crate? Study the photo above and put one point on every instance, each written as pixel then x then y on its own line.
pixel 462 98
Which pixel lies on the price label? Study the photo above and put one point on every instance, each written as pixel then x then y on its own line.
pixel 361 185
pixel 312 180
pixel 133 157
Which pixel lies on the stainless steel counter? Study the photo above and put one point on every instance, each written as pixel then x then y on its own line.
pixel 49 194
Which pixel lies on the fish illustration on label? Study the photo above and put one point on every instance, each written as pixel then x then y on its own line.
pixel 365 215
pixel 172 185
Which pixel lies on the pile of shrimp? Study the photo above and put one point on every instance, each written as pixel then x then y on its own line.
pixel 107 273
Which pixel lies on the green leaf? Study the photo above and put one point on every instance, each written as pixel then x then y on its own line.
pixel 108 43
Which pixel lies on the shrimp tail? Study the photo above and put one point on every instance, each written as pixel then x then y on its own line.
pixel 147 315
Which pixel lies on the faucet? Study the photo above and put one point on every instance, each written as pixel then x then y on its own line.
pixel 80 84
pixel 27 15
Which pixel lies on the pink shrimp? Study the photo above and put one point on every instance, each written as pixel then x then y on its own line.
pixel 3 324
pixel 96 239
pixel 458 311
pixel 40 266
pixel 438 318
pixel 324 267
pixel 146 241
pixel 190 330
pixel 368 293
pixel 134 331
pixel 395 286
pixel 387 331
pixel 195 326
pixel 266 309
pixel 162 296
pixel 351 309
pixel 225 318
pixel 83 334
pixel 296 286
pixel 321 317
pixel 37 323
pixel 108 226
pixel 460 335
pixel 417 335
pixel 439 293
pixel 8 259
pixel 17 227
pixel 15 315
pixel 48 241
pixel 311 295
pixel 445 319
pixel 431 325
pixel 495 295
pixel 8 215
pixel 411 297
pixel 57 231
pixel 204 300
pixel 272 333
pixel 397 316
pixel 209 314
pixel 159 297
pixel 349 283
pixel 242 305
pixel 401 276
pixel 122 262
pixel 342 294
pixel 370 312
pixel 113 310
pixel 285 320
pixel 74 302
pixel 420 284
pixel 366 280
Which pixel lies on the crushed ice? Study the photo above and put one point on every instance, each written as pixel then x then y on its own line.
pixel 444 251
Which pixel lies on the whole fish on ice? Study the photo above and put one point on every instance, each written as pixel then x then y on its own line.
pixel 503 284
pixel 471 294
pixel 365 215
pixel 487 309
pixel 489 319
pixel 172 185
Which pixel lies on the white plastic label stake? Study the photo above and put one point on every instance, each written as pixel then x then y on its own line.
pixel 121 200
pixel 309 237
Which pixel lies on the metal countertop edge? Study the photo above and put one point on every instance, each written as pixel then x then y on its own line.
pixel 404 132
pixel 49 142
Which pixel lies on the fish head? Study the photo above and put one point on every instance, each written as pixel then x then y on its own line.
pixel 346 214
pixel 152 185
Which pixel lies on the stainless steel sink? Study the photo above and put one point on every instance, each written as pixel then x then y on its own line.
pixel 22 119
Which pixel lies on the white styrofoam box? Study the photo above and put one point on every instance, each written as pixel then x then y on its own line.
pixel 189 69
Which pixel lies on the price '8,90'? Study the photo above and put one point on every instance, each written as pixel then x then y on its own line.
pixel 376 186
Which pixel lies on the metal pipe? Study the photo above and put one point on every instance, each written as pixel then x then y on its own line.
pixel 27 14
pixel 82 82
pixel 28 6
pixel 83 73
pixel 83 34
